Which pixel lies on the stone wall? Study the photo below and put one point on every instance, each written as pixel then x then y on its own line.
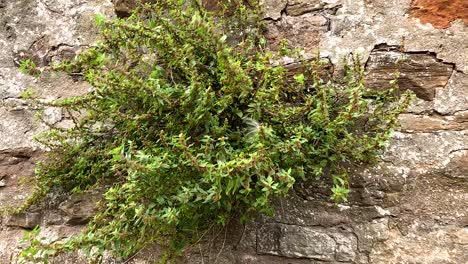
pixel 411 208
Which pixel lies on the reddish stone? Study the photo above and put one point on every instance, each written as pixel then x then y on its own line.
pixel 440 13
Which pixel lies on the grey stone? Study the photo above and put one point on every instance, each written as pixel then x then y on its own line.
pixel 295 241
pixel 431 246
pixel 457 165
pixel 27 220
pixel 300 7
pixel 359 26
pixel 370 233
pixel 295 210
pixel 454 97
pixel 273 8
pixel 80 208
pixel 424 152
pixel 17 129
pixel 432 200
pixel 52 115
pixel 346 246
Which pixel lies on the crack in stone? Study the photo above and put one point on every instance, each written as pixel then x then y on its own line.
pixel 385 47
pixel 420 71
pixel 50 9
pixel 457 150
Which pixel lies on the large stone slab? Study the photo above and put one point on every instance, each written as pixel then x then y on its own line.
pixel 296 242
pixel 420 72
pixel 424 123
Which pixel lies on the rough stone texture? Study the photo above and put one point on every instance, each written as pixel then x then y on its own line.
pixel 358 26
pixel 409 208
pixel 300 7
pixel 43 31
pixel 80 208
pixel 299 31
pixel 440 246
pixel 420 72
pixel 454 97
pixel 273 8
pixel 440 13
pixel 16 165
pixel 295 241
pixel 426 123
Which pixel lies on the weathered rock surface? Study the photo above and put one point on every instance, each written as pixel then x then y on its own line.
pixel 358 26
pixel 296 242
pixel 80 208
pixel 16 169
pixel 454 97
pixel 427 123
pixel 299 31
pixel 43 31
pixel 300 7
pixel 420 72
pixel 27 220
pixel 274 8
pixel 410 208
pixel 438 246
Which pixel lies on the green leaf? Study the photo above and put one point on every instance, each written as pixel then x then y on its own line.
pixel 99 20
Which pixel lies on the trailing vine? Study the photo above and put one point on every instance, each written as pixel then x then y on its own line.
pixel 193 119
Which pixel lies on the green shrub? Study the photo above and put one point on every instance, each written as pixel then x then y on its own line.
pixel 192 120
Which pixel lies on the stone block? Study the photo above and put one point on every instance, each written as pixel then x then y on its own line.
pixel 295 242
pixel 80 208
pixel 346 246
pixel 420 72
pixel 26 220
pixel 370 233
pixel 432 123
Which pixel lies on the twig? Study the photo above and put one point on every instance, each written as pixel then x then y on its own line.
pixel 133 256
pixel 241 237
pixel 222 247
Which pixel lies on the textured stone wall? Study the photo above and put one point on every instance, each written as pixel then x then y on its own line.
pixel 411 208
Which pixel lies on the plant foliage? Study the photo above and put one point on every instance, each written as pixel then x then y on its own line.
pixel 192 120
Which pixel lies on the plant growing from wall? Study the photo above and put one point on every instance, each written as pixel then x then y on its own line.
pixel 192 120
